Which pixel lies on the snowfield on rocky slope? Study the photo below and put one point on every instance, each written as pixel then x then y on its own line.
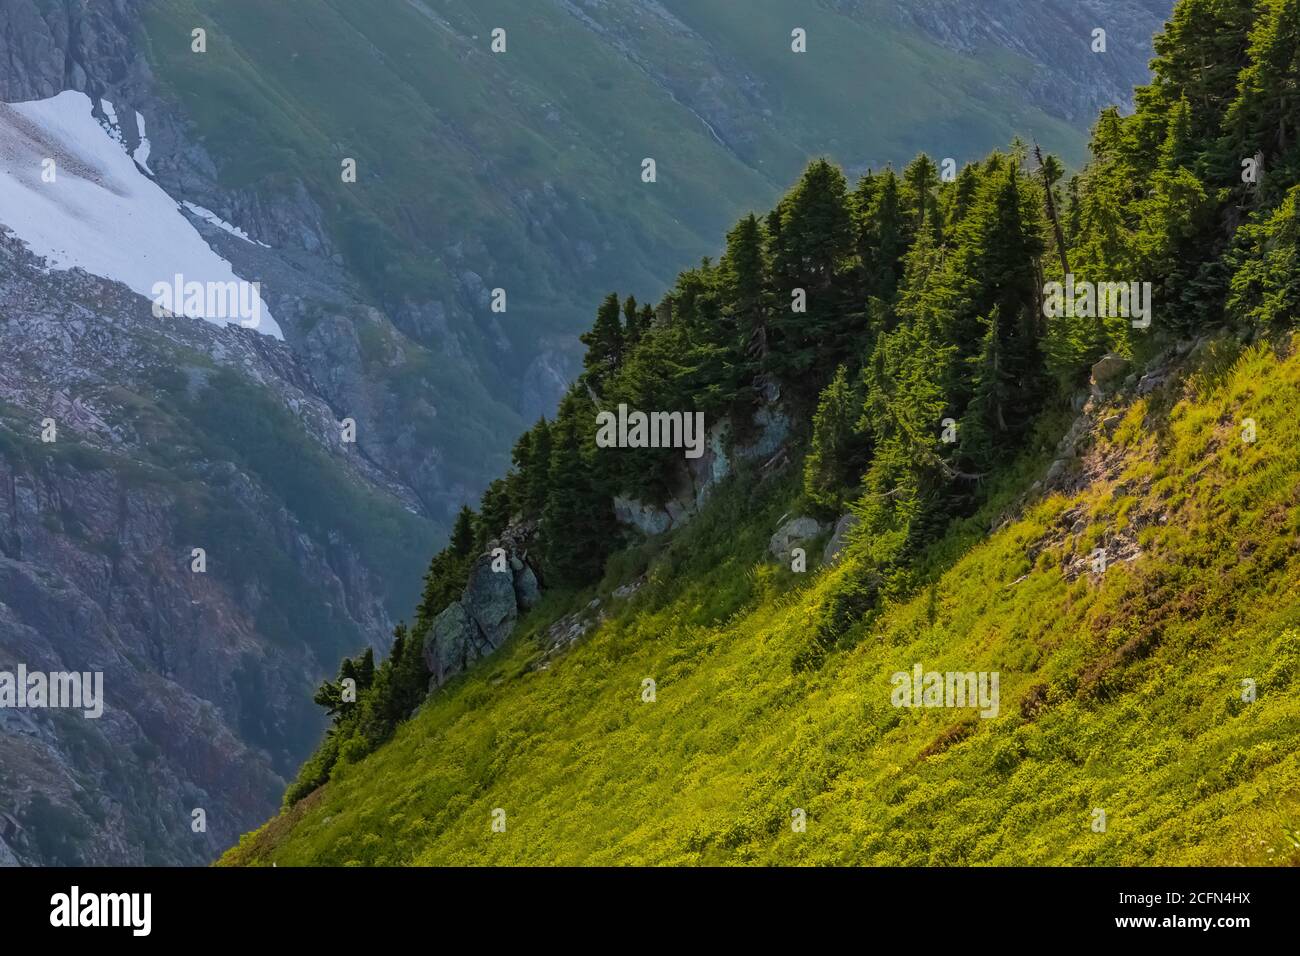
pixel 101 213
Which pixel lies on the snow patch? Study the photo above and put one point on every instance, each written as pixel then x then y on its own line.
pixel 141 154
pixel 113 127
pixel 101 214
pixel 207 215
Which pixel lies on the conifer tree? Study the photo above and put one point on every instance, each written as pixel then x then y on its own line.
pixel 604 344
pixel 839 449
pixel 535 476
pixel 985 437
pixel 1199 56
pixel 409 677
pixel 462 533
pixel 883 242
pixel 920 181
pixel 1004 245
pixel 743 276
pixel 365 669
pixel 1265 285
pixel 815 240
pixel 1175 233
pixel 963 194
pixel 577 523
pixel 1264 116
pixel 631 324
pixel 494 512
pixel 907 382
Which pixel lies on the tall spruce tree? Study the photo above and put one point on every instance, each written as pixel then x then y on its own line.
pixel 815 240
pixel 883 241
pixel 462 533
pixel 743 276
pixel 578 527
pixel 839 449
pixel 604 344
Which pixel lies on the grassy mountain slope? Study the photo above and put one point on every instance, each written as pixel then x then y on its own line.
pixel 1119 691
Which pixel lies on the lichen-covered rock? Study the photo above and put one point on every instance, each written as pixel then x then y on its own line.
pixel 1108 371
pixel 698 477
pixel 527 591
pixel 647 519
pixel 452 644
pixel 490 600
pixel 839 537
pixel 793 534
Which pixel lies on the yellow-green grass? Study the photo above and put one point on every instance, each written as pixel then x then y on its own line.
pixel 1121 692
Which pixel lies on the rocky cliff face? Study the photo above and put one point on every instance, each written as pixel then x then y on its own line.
pixel 207 667
pixel 1075 81
pixel 175 435
pixel 359 360
pixel 172 436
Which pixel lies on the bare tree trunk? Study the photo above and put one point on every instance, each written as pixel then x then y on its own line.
pixel 1051 211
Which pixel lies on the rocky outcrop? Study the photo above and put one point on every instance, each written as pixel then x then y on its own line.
pixel 453 643
pixel 528 590
pixel 501 584
pixel 490 598
pixel 794 533
pixel 839 538
pixel 697 477
pixel 649 519
pixel 567 631
pixel 1107 373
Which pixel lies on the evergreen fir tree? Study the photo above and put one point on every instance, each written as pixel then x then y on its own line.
pixel 631 324
pixel 920 181
pixel 883 242
pixel 494 513
pixel 462 533
pixel 534 480
pixel 604 344
pixel 839 450
pixel 365 669
pixel 577 522
pixel 743 278
pixel 816 238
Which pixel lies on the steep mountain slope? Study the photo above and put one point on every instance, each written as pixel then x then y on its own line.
pixel 1120 691
pixel 474 172
pixel 1044 422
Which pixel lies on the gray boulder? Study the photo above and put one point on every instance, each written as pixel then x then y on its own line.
pixel 647 519
pixel 839 537
pixel 1108 371
pixel 451 645
pixel 527 591
pixel 793 534
pixel 489 599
